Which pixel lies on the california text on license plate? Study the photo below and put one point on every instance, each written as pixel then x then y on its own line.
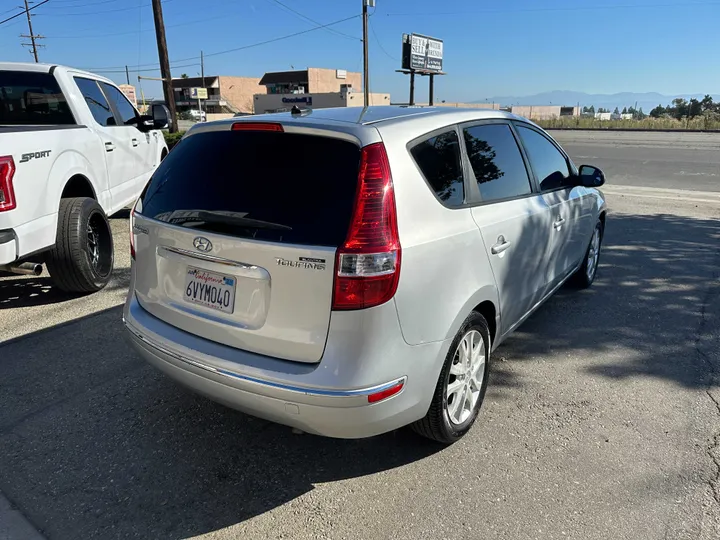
pixel 209 289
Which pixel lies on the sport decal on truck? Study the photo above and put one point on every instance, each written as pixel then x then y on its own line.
pixel 34 155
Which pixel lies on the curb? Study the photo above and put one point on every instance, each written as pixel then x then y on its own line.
pixel 13 525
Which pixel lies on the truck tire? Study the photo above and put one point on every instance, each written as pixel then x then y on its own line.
pixel 82 259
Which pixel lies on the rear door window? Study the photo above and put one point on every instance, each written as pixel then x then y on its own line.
pixel 440 163
pixel 496 162
pixel 279 187
pixel 28 99
pixel 96 102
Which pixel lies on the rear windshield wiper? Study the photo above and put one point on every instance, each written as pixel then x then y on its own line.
pixel 191 218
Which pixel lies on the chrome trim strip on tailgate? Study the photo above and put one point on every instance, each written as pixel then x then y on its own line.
pixel 233 375
pixel 161 250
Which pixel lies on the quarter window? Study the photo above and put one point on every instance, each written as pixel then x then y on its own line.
pixel 28 98
pixel 547 161
pixel 96 101
pixel 439 161
pixel 124 107
pixel 496 162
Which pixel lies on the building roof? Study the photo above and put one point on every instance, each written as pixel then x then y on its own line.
pixel 278 77
pixel 192 82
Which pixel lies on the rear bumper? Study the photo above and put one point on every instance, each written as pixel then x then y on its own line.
pixel 8 247
pixel 338 410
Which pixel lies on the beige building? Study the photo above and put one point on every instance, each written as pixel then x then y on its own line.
pixel 544 112
pixel 225 94
pixel 310 81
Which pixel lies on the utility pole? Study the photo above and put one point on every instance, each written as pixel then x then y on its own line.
pixel 127 75
pixel 33 44
pixel 164 64
pixel 202 68
pixel 366 68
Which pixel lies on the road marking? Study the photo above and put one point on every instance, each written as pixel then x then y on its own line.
pixel 13 525
pixel 663 193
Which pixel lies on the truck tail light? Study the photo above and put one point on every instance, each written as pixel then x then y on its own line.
pixel 132 231
pixel 7 194
pixel 368 263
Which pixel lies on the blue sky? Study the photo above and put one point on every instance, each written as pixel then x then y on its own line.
pixel 508 47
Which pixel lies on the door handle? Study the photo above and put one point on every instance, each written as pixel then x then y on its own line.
pixel 501 246
pixel 109 147
pixel 134 142
pixel 558 223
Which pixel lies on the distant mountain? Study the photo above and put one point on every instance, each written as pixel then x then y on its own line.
pixel 646 100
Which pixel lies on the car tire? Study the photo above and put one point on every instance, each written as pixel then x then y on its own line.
pixel 443 422
pixel 82 259
pixel 585 275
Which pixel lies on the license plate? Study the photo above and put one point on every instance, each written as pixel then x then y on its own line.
pixel 210 290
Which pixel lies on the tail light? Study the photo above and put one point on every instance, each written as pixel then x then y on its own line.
pixel 7 194
pixel 368 263
pixel 257 126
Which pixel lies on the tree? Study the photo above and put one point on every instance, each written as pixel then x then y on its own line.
pixel 616 111
pixel 707 103
pixel 694 108
pixel 657 112
pixel 592 109
pixel 640 114
pixel 680 108
pixel 625 110
pixel 184 76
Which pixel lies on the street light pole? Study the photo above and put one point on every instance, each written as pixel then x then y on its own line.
pixel 366 68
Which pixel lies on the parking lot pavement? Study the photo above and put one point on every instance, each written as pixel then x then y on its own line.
pixel 599 421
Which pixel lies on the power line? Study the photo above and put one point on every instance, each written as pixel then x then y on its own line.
pixel 121 69
pixel 377 40
pixel 313 21
pixel 569 8
pixel 139 31
pixel 24 11
pixel 98 12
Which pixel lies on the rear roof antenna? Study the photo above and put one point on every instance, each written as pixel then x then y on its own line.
pixel 297 111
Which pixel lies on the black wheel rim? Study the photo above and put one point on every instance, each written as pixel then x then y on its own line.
pixel 99 244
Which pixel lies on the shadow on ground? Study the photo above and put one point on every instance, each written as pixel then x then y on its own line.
pixel 96 444
pixel 28 291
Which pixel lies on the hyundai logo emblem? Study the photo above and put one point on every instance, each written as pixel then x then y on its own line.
pixel 202 244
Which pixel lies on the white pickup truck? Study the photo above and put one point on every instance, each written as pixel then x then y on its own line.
pixel 73 150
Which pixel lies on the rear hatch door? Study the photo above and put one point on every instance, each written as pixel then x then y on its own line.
pixel 236 234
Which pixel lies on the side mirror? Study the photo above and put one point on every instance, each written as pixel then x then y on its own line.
pixel 591 177
pixel 160 115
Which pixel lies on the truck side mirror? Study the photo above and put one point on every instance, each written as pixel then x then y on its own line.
pixel 160 116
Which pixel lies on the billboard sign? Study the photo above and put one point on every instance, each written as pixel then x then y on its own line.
pixel 422 53
pixel 198 93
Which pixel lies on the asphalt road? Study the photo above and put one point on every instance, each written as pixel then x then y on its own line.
pixel 601 421
pixel 665 160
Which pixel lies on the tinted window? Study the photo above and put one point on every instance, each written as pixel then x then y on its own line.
pixel 280 187
pixel 439 161
pixel 96 101
pixel 32 99
pixel 548 163
pixel 496 162
pixel 124 107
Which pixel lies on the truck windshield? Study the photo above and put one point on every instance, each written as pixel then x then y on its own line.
pixel 30 99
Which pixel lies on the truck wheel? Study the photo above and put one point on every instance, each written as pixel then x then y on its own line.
pixel 82 259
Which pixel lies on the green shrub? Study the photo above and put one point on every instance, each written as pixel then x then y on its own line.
pixel 173 138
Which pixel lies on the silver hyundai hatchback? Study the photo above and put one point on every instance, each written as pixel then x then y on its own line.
pixel 349 271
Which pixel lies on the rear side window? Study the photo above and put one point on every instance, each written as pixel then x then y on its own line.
pixel 96 101
pixel 28 99
pixel 439 161
pixel 547 161
pixel 496 162
pixel 124 107
pixel 279 187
